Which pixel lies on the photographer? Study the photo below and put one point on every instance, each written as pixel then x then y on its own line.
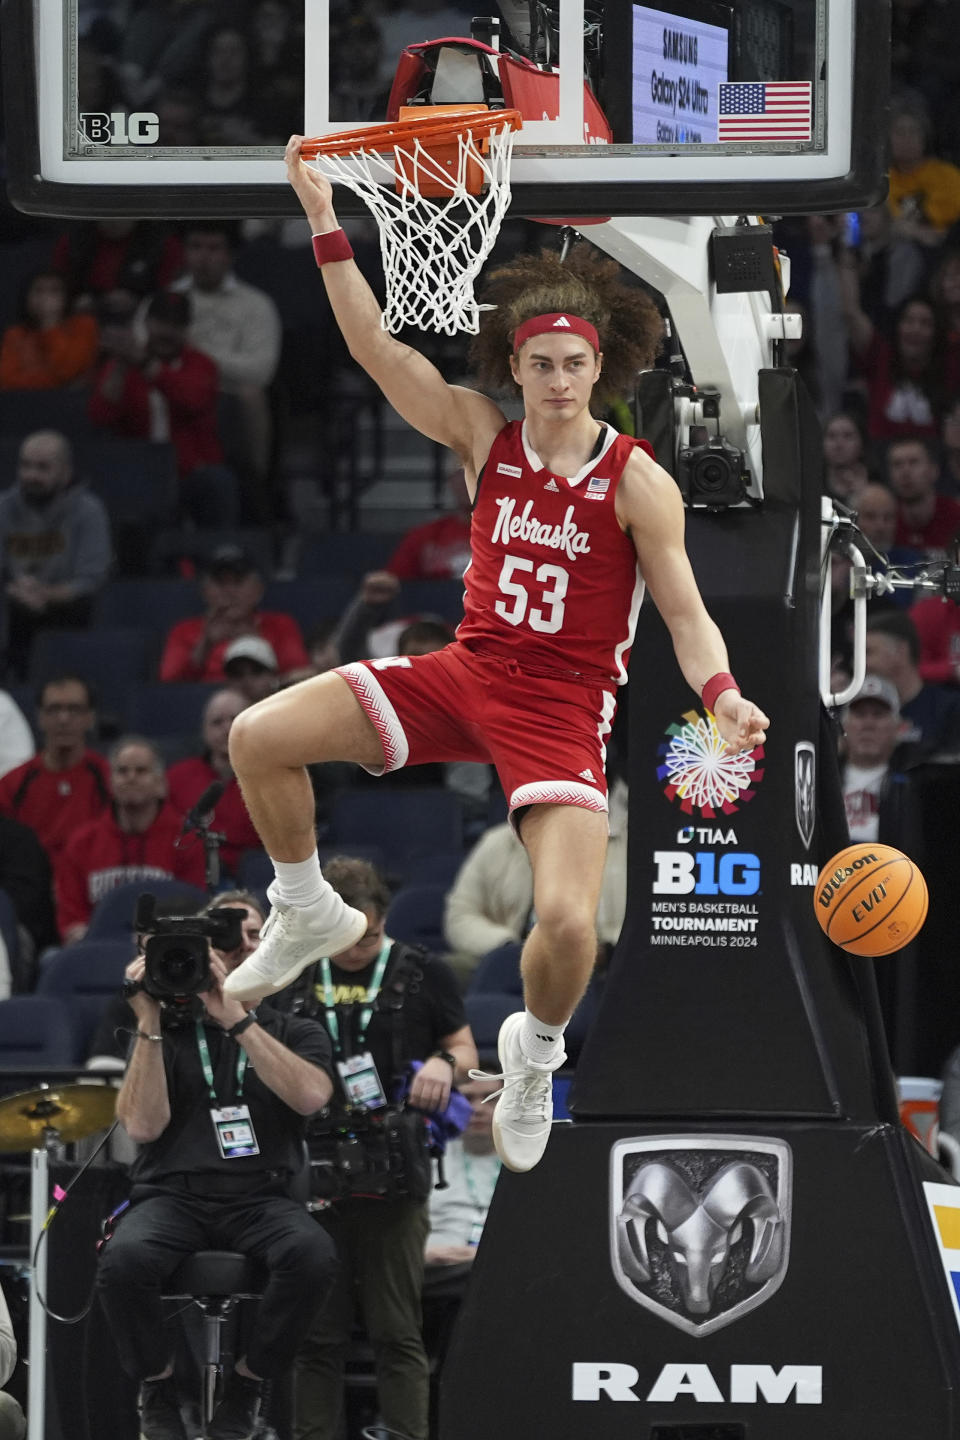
pixel 385 1005
pixel 215 1095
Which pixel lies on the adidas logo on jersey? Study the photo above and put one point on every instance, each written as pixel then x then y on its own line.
pixel 588 775
pixel 551 485
pixel 561 323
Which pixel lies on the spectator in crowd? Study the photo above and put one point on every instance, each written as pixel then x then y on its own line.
pixel 471 1168
pixel 225 1185
pixel 924 194
pixel 137 839
pixel 231 588
pixel 55 547
pixel 322 649
pixel 48 347
pixel 66 784
pixel 230 109
pixel 945 291
pixel 879 803
pixel 876 511
pixel 844 447
pixel 930 714
pixel 167 391
pixel 250 666
pixel 13 1424
pixel 440 549
pixel 910 377
pixel 238 326
pixel 491 901
pixel 27 877
pixel 16 737
pixel 927 520
pixel 188 779
pixel 889 268
pixel 127 259
pixel 380 1244
pixel 177 110
pixel 276 39
pixel 937 622
pixel 949 482
pixel 359 90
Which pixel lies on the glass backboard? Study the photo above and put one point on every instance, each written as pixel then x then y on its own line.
pixel 688 106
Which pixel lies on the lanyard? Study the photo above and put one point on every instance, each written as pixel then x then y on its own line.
pixel 479 1205
pixel 208 1069
pixel 333 1023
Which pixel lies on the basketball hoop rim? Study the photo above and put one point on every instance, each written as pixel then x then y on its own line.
pixel 450 126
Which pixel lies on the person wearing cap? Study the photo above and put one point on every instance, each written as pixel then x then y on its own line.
pixel 250 665
pixel 232 589
pixel 929 714
pixel 877 798
pixel 571 522
pixel 188 779
pixel 165 390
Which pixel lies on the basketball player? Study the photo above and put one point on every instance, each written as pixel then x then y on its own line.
pixel 570 521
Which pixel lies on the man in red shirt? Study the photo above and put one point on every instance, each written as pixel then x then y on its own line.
pixel 167 391
pixel 232 590
pixel 66 784
pixel 439 550
pixel 188 779
pixel 570 523
pixel 135 840
pixel 926 520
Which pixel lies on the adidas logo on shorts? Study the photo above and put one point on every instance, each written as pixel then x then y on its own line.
pixel 588 775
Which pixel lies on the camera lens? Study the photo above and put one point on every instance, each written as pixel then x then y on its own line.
pixel 712 474
pixel 178 964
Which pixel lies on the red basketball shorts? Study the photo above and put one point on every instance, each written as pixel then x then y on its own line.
pixel 545 736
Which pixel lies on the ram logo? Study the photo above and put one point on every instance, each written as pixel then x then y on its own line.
pixel 700 1225
pixel 805 790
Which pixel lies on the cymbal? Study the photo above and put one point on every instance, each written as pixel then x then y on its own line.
pixel 71 1111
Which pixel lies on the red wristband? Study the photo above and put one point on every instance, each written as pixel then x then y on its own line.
pixel 715 687
pixel 334 245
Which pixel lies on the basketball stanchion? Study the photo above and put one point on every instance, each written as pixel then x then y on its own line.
pixel 438 184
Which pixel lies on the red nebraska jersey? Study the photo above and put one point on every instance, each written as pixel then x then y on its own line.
pixel 553 580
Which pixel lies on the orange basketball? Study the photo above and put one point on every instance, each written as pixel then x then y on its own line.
pixel 870 899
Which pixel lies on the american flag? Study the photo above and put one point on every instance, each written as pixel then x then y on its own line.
pixel 765 110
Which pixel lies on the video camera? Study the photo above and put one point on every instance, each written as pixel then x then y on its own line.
pixel 711 473
pixel 177 950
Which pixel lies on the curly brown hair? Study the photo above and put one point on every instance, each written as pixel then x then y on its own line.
pixel 589 284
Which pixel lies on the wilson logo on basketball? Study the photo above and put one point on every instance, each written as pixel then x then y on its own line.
pixel 870 899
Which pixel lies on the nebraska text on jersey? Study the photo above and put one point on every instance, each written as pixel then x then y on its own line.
pixel 526 526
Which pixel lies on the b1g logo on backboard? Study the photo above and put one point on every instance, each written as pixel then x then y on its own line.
pixel 140 127
pixel 700 1225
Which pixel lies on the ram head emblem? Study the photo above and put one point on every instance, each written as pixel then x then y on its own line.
pixel 700 1249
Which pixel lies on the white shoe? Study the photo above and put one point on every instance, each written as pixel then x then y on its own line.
pixel 292 938
pixel 524 1109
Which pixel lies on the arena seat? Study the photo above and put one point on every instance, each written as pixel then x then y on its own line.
pixel 36 1030
pixel 159 604
pixel 86 976
pixel 498 972
pixel 415 914
pixel 115 658
pixel 310 599
pixel 168 708
pixel 349 553
pixel 112 917
pixel 486 1012
pixel 404 823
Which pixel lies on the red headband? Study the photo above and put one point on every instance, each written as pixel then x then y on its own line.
pixel 556 323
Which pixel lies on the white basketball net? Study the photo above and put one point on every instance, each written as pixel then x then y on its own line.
pixel 432 247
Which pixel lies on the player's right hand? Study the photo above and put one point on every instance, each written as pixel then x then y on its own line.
pixel 313 189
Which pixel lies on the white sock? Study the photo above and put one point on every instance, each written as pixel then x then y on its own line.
pixel 541 1042
pixel 300 882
